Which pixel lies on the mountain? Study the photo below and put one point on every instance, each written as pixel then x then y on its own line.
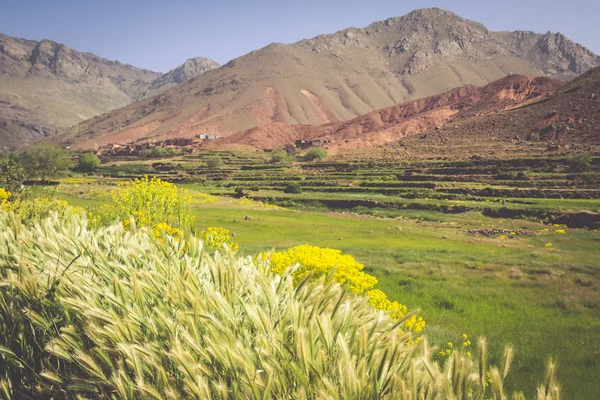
pixel 513 115
pixel 186 71
pixel 392 123
pixel 47 87
pixel 337 77
pixel 565 122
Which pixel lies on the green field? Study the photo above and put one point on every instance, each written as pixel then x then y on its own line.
pixel 543 300
pixel 475 246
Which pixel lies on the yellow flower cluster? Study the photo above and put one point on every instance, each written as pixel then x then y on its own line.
pixel 36 208
pixel 162 227
pixel 4 196
pixel 215 237
pixel 321 262
pixel 342 268
pixel 379 300
pixel 465 348
pixel 560 231
pixel 150 201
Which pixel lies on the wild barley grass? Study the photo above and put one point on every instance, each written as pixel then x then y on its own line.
pixel 114 313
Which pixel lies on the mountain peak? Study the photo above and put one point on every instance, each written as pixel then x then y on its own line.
pixel 47 87
pixel 191 68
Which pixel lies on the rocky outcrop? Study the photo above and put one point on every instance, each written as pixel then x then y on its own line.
pixel 186 71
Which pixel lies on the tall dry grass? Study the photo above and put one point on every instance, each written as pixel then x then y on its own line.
pixel 115 313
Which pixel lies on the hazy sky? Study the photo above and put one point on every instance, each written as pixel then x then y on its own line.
pixel 159 35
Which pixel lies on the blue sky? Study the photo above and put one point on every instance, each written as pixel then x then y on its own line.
pixel 159 35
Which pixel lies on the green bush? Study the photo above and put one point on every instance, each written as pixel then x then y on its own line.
pixel 293 188
pixel 281 156
pixel 580 162
pixel 213 163
pixel 46 160
pixel 315 154
pixel 160 152
pixel 87 162
pixel 115 313
pixel 240 192
pixel 12 176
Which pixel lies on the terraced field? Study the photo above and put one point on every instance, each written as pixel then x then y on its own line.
pixel 551 189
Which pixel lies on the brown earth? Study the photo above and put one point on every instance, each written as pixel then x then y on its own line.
pixel 340 76
pixel 563 123
pixel 386 125
pixel 46 87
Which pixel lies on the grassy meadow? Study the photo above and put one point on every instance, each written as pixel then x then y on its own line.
pixel 533 286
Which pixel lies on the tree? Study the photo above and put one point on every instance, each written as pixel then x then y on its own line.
pixel 293 188
pixel 581 162
pixel 88 162
pixel 240 192
pixel 46 160
pixel 315 154
pixel 280 156
pixel 213 163
pixel 12 176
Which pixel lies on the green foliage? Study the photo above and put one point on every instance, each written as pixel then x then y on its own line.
pixel 46 160
pixel 113 313
pixel 580 162
pixel 315 154
pixel 240 192
pixel 160 152
pixel 281 156
pixel 293 188
pixel 88 162
pixel 213 163
pixel 12 176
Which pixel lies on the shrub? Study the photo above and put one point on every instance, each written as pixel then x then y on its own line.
pixel 329 264
pixel 281 156
pixel 87 162
pixel 239 192
pixel 12 176
pixel 149 202
pixel 580 162
pixel 315 154
pixel 213 163
pixel 112 313
pixel 293 188
pixel 46 160
pixel 34 209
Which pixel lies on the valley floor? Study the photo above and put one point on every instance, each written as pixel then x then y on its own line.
pixel 533 285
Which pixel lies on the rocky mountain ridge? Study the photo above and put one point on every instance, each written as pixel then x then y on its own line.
pixel 337 77
pixel 46 87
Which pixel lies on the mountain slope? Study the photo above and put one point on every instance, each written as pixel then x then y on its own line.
pixel 337 77
pixel 46 87
pixel 565 122
pixel 388 124
pixel 568 121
